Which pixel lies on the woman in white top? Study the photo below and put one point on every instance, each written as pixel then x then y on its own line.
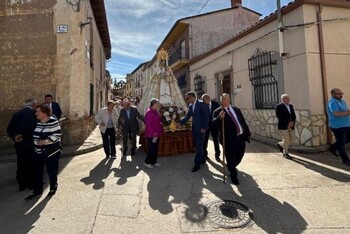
pixel 107 119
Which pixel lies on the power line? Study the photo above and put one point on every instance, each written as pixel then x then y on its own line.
pixel 199 11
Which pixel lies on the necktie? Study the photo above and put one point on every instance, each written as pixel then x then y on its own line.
pixel 233 119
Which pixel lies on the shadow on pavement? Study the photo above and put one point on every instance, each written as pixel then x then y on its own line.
pixel 323 170
pixel 270 214
pixel 96 175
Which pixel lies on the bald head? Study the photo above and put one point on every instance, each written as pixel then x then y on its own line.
pixel 226 101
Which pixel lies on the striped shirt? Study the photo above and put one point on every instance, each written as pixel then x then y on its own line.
pixel 50 130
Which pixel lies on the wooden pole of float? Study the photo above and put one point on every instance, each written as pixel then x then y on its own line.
pixel 221 79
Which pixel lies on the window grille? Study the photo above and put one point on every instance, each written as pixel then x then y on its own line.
pixel 181 81
pixel 264 82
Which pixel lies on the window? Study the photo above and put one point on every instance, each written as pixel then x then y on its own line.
pixel 263 80
pixel 182 81
pixel 199 85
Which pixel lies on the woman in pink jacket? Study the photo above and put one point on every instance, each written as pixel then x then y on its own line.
pixel 153 131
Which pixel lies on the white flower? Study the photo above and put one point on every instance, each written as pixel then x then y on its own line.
pixel 166 113
pixel 179 112
pixel 167 118
pixel 174 117
pixel 171 109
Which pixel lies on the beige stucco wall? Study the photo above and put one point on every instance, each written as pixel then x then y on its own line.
pixel 337 53
pixel 301 70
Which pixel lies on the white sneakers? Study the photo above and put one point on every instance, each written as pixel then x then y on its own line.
pixel 150 166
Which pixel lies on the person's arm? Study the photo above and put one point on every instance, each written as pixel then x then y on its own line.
pixel 334 108
pixel 98 118
pixel 187 117
pixel 55 130
pixel 205 115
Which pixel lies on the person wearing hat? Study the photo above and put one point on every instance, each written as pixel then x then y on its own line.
pixel 107 121
pixel 130 126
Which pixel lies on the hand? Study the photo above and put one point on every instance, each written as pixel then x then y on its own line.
pixel 18 138
pixel 42 142
pixel 222 114
pixel 203 130
pixel 102 124
pixel 178 125
pixel 291 124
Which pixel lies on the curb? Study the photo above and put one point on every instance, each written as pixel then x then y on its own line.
pixel 297 149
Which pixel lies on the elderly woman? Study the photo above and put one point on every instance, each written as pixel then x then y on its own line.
pixel 47 146
pixel 107 119
pixel 153 131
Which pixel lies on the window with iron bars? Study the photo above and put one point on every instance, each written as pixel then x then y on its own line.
pixel 263 80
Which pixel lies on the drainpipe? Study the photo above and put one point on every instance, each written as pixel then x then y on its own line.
pixel 280 28
pixel 323 68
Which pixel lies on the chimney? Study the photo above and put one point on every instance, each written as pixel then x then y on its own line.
pixel 236 3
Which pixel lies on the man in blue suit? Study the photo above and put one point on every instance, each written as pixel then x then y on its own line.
pixel 55 107
pixel 200 121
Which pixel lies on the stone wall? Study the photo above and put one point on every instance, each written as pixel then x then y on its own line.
pixel 310 130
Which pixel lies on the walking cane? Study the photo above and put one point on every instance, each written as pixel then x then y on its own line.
pixel 221 78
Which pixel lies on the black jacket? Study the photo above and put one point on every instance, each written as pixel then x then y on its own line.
pixel 284 117
pixel 23 122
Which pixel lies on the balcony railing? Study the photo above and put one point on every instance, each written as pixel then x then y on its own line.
pixel 181 53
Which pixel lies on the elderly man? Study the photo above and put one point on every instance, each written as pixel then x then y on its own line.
pixel 211 106
pixel 286 121
pixel 236 132
pixel 20 129
pixel 339 121
pixel 130 126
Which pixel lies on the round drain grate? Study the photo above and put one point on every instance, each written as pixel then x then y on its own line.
pixel 228 214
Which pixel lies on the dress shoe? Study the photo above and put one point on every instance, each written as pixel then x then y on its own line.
pixel 286 155
pixel 107 156
pixel 113 157
pixel 235 181
pixel 22 188
pixel 52 192
pixel 218 159
pixel 207 157
pixel 333 150
pixel 32 196
pixel 195 168
pixel 148 165
pixel 347 163
pixel 280 147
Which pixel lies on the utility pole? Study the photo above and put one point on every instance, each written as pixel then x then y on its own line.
pixel 280 28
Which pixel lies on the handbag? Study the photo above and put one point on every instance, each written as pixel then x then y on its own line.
pixel 51 149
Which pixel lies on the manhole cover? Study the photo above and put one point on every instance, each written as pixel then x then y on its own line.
pixel 228 214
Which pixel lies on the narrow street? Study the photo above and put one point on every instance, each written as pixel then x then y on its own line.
pixel 308 194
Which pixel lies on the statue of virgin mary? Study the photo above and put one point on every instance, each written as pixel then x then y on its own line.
pixel 163 86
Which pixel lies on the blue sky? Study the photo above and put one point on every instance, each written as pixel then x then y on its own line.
pixel 137 27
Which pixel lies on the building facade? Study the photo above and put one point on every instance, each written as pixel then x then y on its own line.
pixel 56 47
pixel 305 58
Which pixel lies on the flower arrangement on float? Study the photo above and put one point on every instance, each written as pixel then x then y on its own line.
pixel 171 115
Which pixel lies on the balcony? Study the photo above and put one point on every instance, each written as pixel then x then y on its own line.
pixel 180 58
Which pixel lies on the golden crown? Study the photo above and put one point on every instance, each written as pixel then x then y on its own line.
pixel 162 54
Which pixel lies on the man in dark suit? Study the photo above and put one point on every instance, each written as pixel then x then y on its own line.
pixel 55 107
pixel 286 120
pixel 236 132
pixel 212 106
pixel 20 129
pixel 130 126
pixel 200 117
